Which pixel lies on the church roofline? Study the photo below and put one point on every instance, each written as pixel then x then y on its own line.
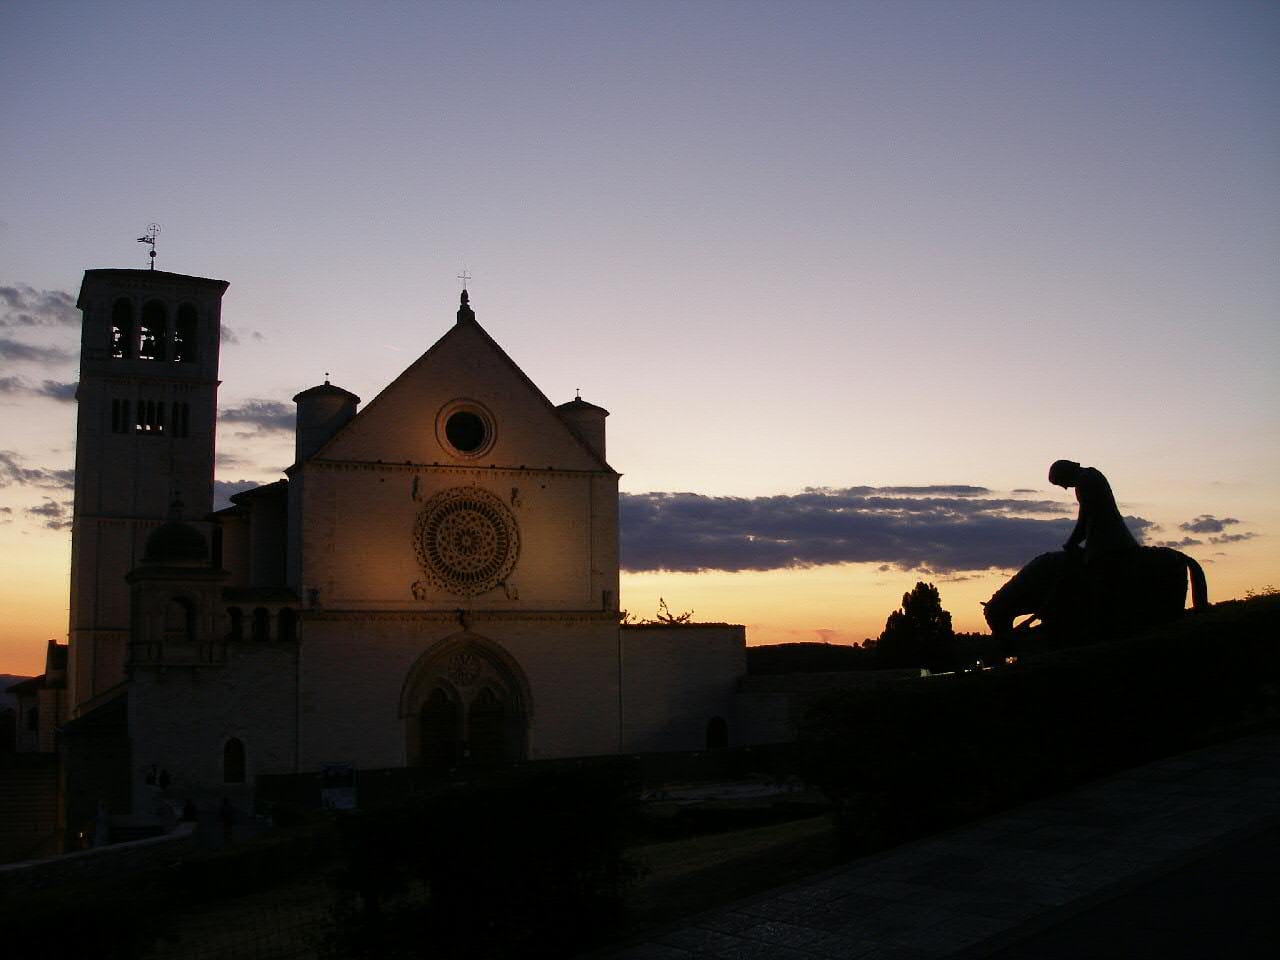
pixel 148 278
pixel 28 685
pixel 471 324
pixel 275 486
pixel 469 468
pixel 108 709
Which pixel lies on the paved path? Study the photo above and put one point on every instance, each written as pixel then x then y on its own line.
pixel 1178 858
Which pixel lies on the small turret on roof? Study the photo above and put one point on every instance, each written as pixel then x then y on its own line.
pixel 587 421
pixel 322 412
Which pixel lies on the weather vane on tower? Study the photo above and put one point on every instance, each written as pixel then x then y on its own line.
pixel 150 237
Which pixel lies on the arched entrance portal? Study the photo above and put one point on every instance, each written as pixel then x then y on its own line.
pixel 465 701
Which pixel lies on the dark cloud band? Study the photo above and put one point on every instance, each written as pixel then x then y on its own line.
pixel 18 351
pixel 53 389
pixel 262 414
pixel 13 472
pixel 24 306
pixel 943 529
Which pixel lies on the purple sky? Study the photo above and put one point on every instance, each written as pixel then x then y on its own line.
pixel 787 245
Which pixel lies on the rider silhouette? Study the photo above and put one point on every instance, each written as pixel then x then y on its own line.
pixel 1100 526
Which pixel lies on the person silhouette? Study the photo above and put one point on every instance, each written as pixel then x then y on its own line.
pixel 1099 527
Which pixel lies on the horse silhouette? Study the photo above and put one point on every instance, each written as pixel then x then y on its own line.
pixel 1114 596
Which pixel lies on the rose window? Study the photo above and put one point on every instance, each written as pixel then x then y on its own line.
pixel 466 541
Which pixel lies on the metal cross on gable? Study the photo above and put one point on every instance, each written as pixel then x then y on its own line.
pixel 464 277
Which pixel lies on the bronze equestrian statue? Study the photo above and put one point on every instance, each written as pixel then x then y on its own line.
pixel 1102 584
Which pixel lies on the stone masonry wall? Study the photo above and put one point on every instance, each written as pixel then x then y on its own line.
pixel 675 679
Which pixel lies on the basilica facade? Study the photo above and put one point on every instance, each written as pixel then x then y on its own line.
pixel 433 583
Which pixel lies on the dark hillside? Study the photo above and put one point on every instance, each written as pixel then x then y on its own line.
pixel 808 658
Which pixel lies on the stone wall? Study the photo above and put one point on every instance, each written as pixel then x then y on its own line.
pixel 355 668
pixel 771 707
pixel 358 528
pixel 676 678
pixel 114 861
pixel 181 719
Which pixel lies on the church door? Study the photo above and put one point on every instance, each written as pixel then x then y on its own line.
pixel 486 729
pixel 465 702
pixel 440 731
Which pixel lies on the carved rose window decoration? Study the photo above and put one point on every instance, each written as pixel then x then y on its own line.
pixel 467 541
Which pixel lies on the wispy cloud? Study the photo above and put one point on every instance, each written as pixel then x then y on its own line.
pixel 1232 537
pixel 14 472
pixel 1207 523
pixel 232 337
pixel 53 389
pixel 24 306
pixel 16 350
pixel 57 390
pixel 939 528
pixel 263 415
pixel 51 513
pixel 1216 526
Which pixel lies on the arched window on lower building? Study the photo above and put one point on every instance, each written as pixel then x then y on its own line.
pixel 717 733
pixel 261 625
pixel 287 625
pixel 179 620
pixel 235 623
pixel 233 761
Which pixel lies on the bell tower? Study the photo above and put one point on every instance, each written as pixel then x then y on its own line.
pixel 144 438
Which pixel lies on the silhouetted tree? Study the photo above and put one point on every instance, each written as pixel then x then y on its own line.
pixel 918 635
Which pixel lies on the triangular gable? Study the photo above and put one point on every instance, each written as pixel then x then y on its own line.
pixel 401 424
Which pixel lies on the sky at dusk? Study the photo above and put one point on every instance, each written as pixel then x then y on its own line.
pixel 847 276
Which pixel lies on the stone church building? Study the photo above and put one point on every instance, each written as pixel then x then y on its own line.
pixel 434 583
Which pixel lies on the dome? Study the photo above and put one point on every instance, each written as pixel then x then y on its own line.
pixel 176 542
